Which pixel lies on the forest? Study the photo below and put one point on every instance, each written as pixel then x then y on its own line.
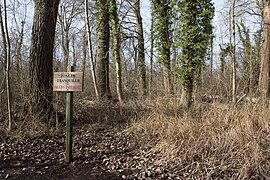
pixel 167 89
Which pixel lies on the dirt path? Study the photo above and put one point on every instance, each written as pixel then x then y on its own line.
pixel 101 150
pixel 43 156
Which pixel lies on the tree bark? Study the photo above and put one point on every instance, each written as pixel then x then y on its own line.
pixel 74 53
pixel 7 57
pixel 151 55
pixel 84 51
pixel 141 55
pixel 233 53
pixel 19 58
pixel 264 83
pixel 90 49
pixel 103 38
pixel 211 57
pixel 116 48
pixel 186 96
pixel 162 9
pixel 41 57
pixel 188 60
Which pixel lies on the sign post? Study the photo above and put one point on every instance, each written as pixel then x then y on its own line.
pixel 68 82
pixel 69 121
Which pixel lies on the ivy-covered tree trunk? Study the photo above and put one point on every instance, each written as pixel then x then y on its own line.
pixel 116 48
pixel 161 13
pixel 258 56
pixel 223 54
pixel 102 55
pixel 189 60
pixel 248 61
pixel 211 56
pixel 194 37
pixel 141 55
pixel 41 56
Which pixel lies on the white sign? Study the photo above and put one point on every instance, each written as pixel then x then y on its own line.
pixel 68 81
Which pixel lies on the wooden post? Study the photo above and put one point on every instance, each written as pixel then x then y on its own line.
pixel 69 119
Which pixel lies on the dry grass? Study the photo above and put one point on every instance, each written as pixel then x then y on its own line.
pixel 208 142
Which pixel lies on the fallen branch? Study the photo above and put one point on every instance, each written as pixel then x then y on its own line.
pixel 240 99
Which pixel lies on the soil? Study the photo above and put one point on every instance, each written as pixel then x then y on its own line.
pixel 101 149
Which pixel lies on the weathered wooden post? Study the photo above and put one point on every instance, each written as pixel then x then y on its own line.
pixel 69 121
pixel 68 82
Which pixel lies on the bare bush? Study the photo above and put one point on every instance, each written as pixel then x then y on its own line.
pixel 216 143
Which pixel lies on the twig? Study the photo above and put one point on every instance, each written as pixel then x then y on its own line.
pixel 240 99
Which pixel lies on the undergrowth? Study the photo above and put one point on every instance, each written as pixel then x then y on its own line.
pixel 208 141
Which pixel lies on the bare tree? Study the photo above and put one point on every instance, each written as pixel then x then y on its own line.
pixel 90 48
pixel 74 52
pixel 19 57
pixel 68 12
pixel 233 52
pixel 84 51
pixel 5 36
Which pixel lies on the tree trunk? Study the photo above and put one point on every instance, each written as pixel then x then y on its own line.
pixel 151 55
pixel 84 50
pixel 265 64
pixel 65 47
pixel 251 76
pixel 189 64
pixel 41 57
pixel 222 63
pixel 165 45
pixel 74 54
pixel 258 57
pixel 211 57
pixel 5 36
pixel 90 49
pixel 141 55
pixel 19 59
pixel 116 48
pixel 233 54
pixel 186 96
pixel 167 77
pixel 103 38
pixel 135 57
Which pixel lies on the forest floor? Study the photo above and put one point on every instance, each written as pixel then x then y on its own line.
pixel 139 141
pixel 101 149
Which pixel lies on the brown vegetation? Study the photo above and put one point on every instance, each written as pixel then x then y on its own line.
pixel 208 142
pixel 156 139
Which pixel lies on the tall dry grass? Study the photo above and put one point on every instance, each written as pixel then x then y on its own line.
pixel 209 141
